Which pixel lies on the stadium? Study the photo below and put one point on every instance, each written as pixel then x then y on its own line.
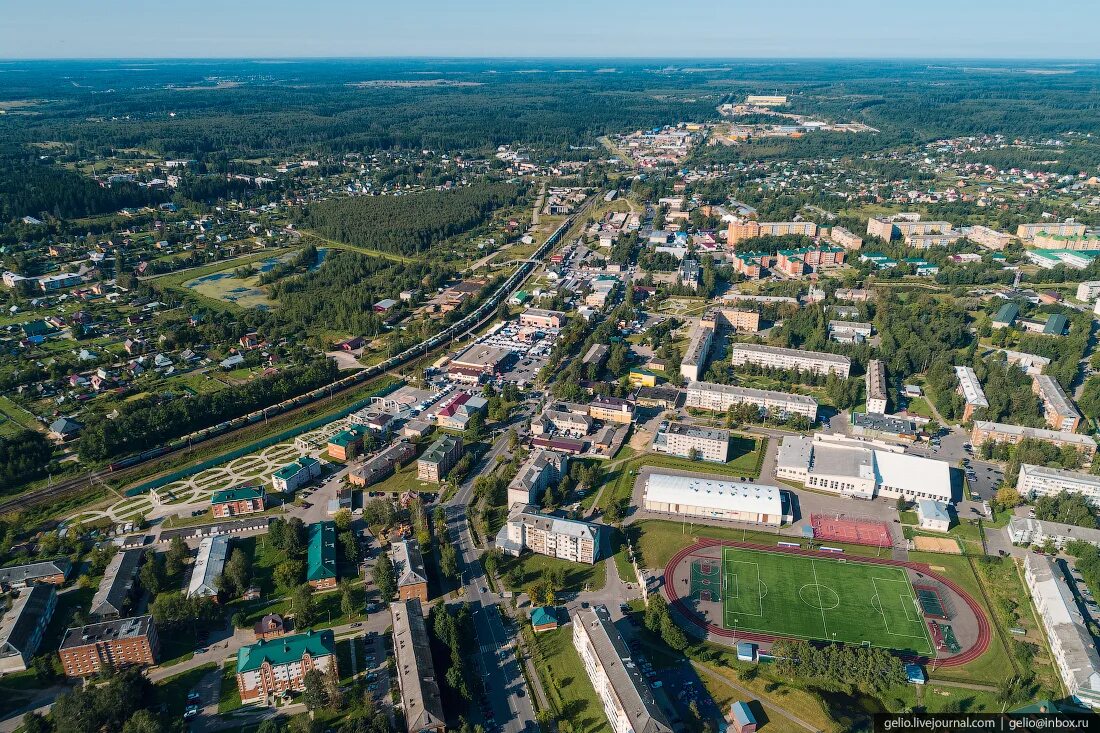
pixel 739 591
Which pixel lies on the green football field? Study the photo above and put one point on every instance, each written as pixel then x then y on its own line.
pixel 827 599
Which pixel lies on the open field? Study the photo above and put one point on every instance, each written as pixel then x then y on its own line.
pixel 813 598
pixel 572 696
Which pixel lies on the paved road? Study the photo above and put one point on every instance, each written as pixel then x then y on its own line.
pixel 501 674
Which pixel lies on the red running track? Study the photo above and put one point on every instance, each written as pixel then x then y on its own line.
pixel 965 657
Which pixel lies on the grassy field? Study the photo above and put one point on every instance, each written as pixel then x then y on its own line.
pixel 532 567
pixel 830 600
pixel 230 698
pixel 566 682
pixel 173 690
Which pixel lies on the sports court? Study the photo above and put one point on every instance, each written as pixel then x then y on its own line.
pixel 817 598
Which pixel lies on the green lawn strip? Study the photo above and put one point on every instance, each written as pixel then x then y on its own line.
pixel 67 604
pixel 173 690
pixel 175 521
pixel 991 667
pixel 533 566
pixel 566 682
pixel 18 416
pixel 821 598
pixel 326 605
pixel 230 696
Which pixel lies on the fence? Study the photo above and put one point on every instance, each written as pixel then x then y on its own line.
pixel 260 444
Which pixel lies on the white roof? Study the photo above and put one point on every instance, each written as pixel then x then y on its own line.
pixel 208 566
pixel 1059 474
pixel 971 387
pixel 914 473
pixel 714 493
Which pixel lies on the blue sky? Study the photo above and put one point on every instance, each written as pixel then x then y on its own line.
pixel 564 28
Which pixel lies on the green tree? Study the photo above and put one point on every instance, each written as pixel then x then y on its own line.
pixel 288 574
pixel 315 695
pixel 303 606
pixel 385 578
pixel 347 599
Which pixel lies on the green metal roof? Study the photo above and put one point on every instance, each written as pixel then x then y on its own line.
pixel 544 615
pixel 345 438
pixel 1056 324
pixel 1007 313
pixel 285 650
pixel 291 469
pixel 239 493
pixel 322 551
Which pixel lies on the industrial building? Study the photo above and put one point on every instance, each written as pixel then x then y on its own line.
pixel 539 318
pixel 692 441
pixel 627 698
pixel 851 468
pixel 774 357
pixel 720 397
pixel 690 496
pixel 1071 645
pixel 477 362
pixel 209 564
pixel 876 387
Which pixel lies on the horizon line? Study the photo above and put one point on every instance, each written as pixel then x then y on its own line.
pixel 725 59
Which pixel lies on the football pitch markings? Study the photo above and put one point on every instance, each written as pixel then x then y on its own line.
pixel 821 598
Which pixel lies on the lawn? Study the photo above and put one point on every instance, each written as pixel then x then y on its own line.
pixel 825 599
pixel 326 605
pixel 566 682
pixel 405 480
pixel 532 566
pixel 230 698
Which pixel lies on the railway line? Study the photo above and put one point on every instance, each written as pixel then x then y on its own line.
pixel 464 327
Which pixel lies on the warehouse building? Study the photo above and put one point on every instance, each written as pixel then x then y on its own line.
pixel 209 564
pixel 774 357
pixel 692 441
pixel 627 698
pixel 720 397
pixel 1071 644
pixel 735 501
pixel 1037 481
pixel 851 468
pixel 539 318
pixel 971 390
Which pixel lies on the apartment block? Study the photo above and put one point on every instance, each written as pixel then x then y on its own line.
pixel 269 668
pixel 321 556
pixel 988 238
pixel 849 332
pixel 627 698
pixel 692 441
pixel 54 572
pixel 611 409
pixel 238 501
pixel 299 473
pixel 876 387
pixel 23 625
pixel 440 457
pixel 935 239
pixel 542 468
pixel 1058 408
pixel 738 319
pixel 740 231
pixel 774 357
pixel 844 238
pixel 1071 644
pixel 115 593
pixel 416 678
pixel 1045 481
pixel 720 397
pixel 1088 291
pixel 1005 433
pixel 1027 232
pixel 971 390
pixel 88 650
pixel 694 362
pixel 408 567
pixel 568 539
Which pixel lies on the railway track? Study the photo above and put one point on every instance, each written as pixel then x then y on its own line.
pixel 464 327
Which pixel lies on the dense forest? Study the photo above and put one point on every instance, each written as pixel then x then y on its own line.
pixel 23 457
pixel 152 421
pixel 30 186
pixel 408 225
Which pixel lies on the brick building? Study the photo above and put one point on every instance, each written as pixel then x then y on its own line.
pixel 86 650
pixel 234 502
pixel 269 668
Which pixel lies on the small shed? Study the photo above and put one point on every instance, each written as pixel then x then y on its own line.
pixel 933 515
pixel 741 718
pixel 915 674
pixel 746 651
